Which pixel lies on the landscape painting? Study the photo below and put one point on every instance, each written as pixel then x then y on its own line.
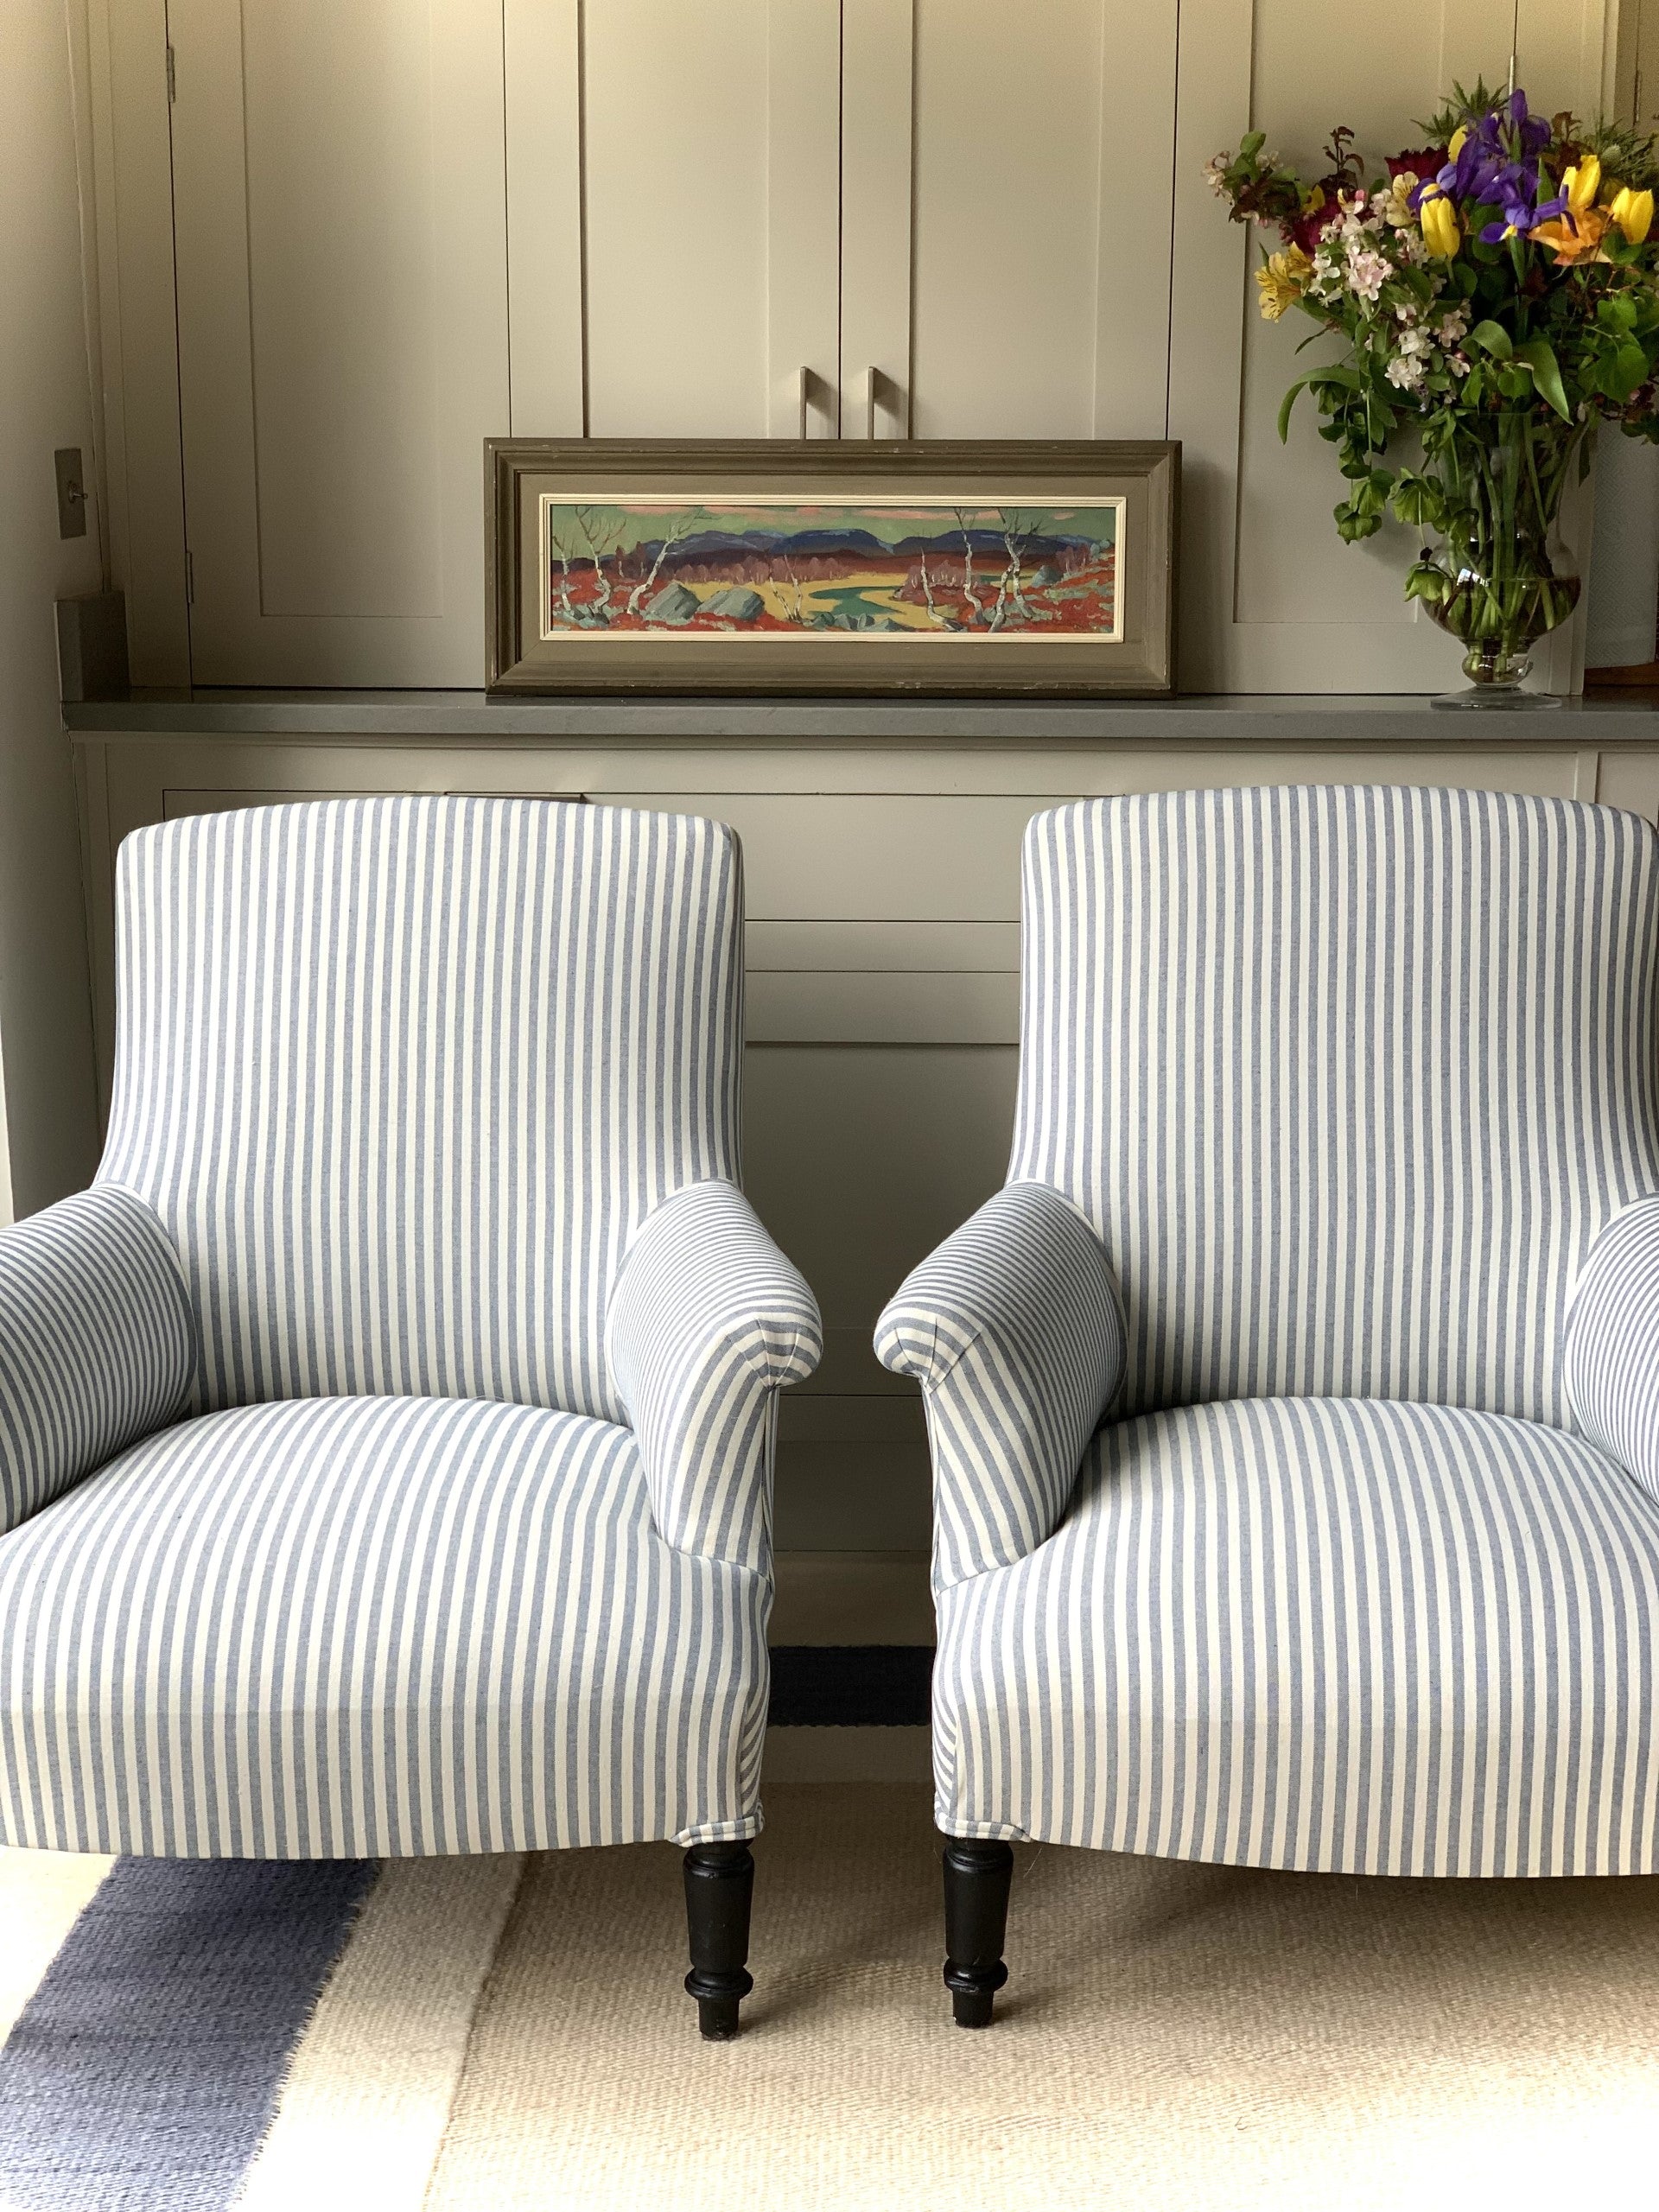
pixel 959 568
pixel 888 567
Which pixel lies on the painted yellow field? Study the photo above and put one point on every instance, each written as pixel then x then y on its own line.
pixel 813 598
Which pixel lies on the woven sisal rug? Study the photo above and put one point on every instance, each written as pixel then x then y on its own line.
pixel 489 2036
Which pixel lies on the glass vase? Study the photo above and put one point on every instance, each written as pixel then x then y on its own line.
pixel 1500 588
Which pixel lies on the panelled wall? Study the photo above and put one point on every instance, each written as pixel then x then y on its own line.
pixel 394 228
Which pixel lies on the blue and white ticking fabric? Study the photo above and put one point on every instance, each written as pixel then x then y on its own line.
pixel 356 1627
pixel 708 1322
pixel 402 1078
pixel 1326 1633
pixel 1348 1080
pixel 95 1342
pixel 1014 1330
pixel 1611 1357
pixel 420 1189
pixel 1349 1084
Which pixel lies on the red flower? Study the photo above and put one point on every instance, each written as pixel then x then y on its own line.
pixel 1427 161
pixel 1311 226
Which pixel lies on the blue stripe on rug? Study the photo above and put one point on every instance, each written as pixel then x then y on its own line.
pixel 143 2073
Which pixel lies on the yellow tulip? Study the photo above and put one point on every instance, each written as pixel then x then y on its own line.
pixel 1582 184
pixel 1440 232
pixel 1459 139
pixel 1633 212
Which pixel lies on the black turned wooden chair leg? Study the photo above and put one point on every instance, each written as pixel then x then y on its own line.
pixel 978 1876
pixel 719 1884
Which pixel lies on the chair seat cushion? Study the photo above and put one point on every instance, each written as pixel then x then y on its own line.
pixel 1319 1633
pixel 358 1627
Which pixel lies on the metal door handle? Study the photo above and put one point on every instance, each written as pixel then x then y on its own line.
pixel 814 391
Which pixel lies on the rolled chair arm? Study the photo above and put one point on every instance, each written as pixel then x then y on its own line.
pixel 1014 1330
pixel 96 1341
pixel 707 1321
pixel 1610 1350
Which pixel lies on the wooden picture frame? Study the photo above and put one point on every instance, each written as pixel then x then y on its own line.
pixel 1028 567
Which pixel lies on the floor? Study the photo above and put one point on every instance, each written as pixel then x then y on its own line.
pixel 509 2036
pixel 1173 2035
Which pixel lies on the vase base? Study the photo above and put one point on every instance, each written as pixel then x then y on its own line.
pixel 1493 699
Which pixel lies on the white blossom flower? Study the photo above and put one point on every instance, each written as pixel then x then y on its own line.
pixel 1368 272
pixel 1453 326
pixel 1407 371
pixel 1214 176
pixel 1359 218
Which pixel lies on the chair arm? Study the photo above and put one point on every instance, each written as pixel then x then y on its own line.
pixel 1014 1330
pixel 96 1341
pixel 707 1321
pixel 1610 1348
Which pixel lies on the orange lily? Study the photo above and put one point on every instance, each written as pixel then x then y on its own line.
pixel 1576 237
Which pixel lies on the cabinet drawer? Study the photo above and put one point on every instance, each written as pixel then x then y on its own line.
pixel 867 857
pixel 966 948
pixel 833 1007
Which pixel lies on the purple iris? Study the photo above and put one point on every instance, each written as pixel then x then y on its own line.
pixel 1496 165
pixel 1514 190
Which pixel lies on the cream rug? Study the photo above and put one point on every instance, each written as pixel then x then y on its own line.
pixel 1173 2037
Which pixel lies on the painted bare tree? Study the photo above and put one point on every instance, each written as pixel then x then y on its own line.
pixel 563 554
pixel 795 600
pixel 976 606
pixel 673 532
pixel 935 613
pixel 1016 532
pixel 603 530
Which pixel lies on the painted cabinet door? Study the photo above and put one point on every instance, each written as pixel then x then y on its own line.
pixel 341 271
pixel 1005 191
pixel 673 214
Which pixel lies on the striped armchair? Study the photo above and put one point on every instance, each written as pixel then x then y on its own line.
pixel 1333 1191
pixel 385 1438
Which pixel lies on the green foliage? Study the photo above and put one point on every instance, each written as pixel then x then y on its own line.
pixel 1461 108
pixel 1625 152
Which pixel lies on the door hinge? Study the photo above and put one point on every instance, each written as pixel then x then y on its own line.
pixel 189 577
pixel 172 75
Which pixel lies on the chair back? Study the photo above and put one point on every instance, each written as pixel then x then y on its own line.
pixel 402 1075
pixel 1346 1078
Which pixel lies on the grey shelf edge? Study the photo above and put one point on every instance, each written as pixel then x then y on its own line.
pixel 1244 721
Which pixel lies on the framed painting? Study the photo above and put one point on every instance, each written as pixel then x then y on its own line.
pixel 1018 566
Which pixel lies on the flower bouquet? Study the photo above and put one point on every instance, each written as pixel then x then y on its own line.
pixel 1498 291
